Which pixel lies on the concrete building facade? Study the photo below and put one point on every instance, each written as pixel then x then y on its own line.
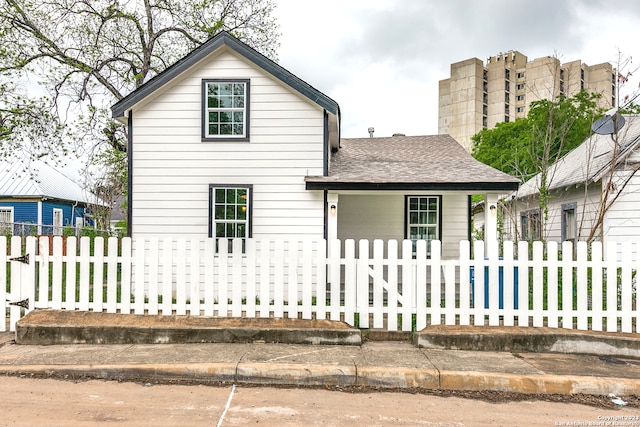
pixel 480 95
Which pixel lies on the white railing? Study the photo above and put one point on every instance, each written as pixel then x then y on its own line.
pixel 389 287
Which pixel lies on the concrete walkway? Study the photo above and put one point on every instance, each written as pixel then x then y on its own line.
pixel 385 364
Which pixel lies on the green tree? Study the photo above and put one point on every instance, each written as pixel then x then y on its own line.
pixel 551 129
pixel 29 127
pixel 530 145
pixel 88 54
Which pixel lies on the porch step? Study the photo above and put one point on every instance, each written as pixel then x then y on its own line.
pixel 46 327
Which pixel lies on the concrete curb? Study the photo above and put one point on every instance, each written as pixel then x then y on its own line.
pixel 537 384
pixel 340 375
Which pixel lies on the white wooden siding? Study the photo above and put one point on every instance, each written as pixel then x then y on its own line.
pixel 173 167
pixel 586 210
pixel 455 223
pixel 622 221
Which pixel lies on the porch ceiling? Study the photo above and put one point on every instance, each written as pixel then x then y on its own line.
pixel 433 162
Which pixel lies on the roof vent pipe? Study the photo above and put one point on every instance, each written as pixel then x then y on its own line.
pixel 371 132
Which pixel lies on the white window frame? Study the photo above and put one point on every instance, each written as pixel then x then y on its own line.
pixel 57 227
pixel 238 129
pixel 6 227
pixel 422 216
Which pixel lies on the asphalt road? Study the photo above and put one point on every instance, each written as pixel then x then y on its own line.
pixel 50 402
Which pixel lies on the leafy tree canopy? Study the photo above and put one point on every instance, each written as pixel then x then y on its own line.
pixel 87 54
pixel 550 130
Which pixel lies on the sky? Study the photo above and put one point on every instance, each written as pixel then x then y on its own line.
pixel 381 60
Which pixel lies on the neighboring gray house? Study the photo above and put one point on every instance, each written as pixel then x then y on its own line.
pixel 579 183
pixel 226 143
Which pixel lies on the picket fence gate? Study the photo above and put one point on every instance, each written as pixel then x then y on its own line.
pixel 397 286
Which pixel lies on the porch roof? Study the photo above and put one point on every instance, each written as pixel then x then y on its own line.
pixel 430 162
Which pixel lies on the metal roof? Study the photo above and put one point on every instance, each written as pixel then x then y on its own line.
pixel 218 41
pixel 431 162
pixel 589 161
pixel 39 180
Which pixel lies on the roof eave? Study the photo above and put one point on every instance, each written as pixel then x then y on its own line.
pixel 412 186
pixel 119 109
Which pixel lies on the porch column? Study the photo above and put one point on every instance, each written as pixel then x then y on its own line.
pixel 490 221
pixel 332 216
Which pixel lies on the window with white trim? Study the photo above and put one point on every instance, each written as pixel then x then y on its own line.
pixel 57 222
pixel 230 212
pixel 6 220
pixel 423 219
pixel 225 110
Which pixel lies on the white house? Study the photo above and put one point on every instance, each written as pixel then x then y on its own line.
pixel 599 177
pixel 226 143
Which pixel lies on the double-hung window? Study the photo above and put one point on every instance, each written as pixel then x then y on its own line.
pixel 569 222
pixel 230 212
pixel 225 110
pixel 423 219
pixel 531 225
pixel 6 220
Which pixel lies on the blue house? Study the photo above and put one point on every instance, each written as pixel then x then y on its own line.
pixel 37 199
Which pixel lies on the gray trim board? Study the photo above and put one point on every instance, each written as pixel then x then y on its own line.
pixel 427 186
pixel 129 172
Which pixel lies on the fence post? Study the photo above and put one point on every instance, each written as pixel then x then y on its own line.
pixel 378 255
pixel 509 284
pixel 552 284
pixel 625 292
pixel 350 283
pixel 422 307
pixel 435 282
pixel 465 282
pixel 363 282
pixel 4 297
pixel 71 274
pixel 478 283
pixel 29 273
pixel 392 285
pixel 567 284
pixel 408 286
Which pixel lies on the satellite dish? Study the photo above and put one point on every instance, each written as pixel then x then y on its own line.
pixel 608 125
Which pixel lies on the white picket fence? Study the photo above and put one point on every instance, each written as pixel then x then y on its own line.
pixel 389 287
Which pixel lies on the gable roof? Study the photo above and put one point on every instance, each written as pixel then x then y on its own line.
pixel 589 161
pixel 39 180
pixel 200 53
pixel 432 162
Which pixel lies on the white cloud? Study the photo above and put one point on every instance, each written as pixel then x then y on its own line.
pixel 381 60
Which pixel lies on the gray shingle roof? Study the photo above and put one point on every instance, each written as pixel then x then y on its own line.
pixel 589 161
pixel 409 162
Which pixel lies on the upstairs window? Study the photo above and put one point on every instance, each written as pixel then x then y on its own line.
pixel 225 110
